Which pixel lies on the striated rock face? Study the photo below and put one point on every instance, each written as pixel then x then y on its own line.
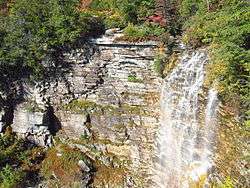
pixel 108 99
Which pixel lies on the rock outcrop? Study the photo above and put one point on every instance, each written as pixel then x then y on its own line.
pixel 32 126
pixel 108 99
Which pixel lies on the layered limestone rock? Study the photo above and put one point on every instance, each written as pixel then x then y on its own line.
pixel 106 104
pixel 32 125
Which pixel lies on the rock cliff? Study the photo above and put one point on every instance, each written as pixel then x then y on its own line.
pixel 106 105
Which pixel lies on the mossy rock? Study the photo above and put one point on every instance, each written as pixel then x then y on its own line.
pixel 80 106
pixel 170 64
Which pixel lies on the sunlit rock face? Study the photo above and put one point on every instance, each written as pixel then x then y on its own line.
pixel 106 91
pixel 186 136
pixel 32 126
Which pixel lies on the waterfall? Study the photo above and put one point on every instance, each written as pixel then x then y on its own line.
pixel 186 136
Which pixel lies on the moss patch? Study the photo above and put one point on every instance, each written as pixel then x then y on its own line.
pixel 61 163
pixel 113 177
pixel 133 78
pixel 170 64
pixel 80 105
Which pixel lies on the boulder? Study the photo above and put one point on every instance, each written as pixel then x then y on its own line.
pixel 84 167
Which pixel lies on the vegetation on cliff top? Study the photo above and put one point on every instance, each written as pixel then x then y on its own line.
pixel 132 15
pixel 34 33
pixel 32 29
pixel 129 11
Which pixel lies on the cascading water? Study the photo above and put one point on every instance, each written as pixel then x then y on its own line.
pixel 185 138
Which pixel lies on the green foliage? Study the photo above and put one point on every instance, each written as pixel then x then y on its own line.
pixel 159 63
pixel 141 32
pixel 190 8
pixel 225 26
pixel 131 11
pixel 133 78
pixel 104 4
pixel 134 10
pixel 33 29
pixel 80 105
pixel 17 159
pixel 115 21
pixel 10 177
pixel 10 148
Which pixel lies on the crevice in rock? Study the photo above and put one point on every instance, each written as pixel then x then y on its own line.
pixel 50 119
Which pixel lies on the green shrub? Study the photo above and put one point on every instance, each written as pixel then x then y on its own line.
pixel 136 10
pixel 190 8
pixel 103 4
pixel 143 31
pixel 134 31
pixel 159 64
pixel 34 29
pixel 131 10
pixel 10 148
pixel 114 21
pixel 24 157
pixel 10 177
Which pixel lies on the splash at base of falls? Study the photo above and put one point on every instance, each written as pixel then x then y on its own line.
pixel 186 136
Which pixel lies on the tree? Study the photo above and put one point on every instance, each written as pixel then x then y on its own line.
pixel 35 27
pixel 30 31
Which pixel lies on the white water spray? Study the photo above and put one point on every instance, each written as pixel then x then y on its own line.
pixel 185 139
